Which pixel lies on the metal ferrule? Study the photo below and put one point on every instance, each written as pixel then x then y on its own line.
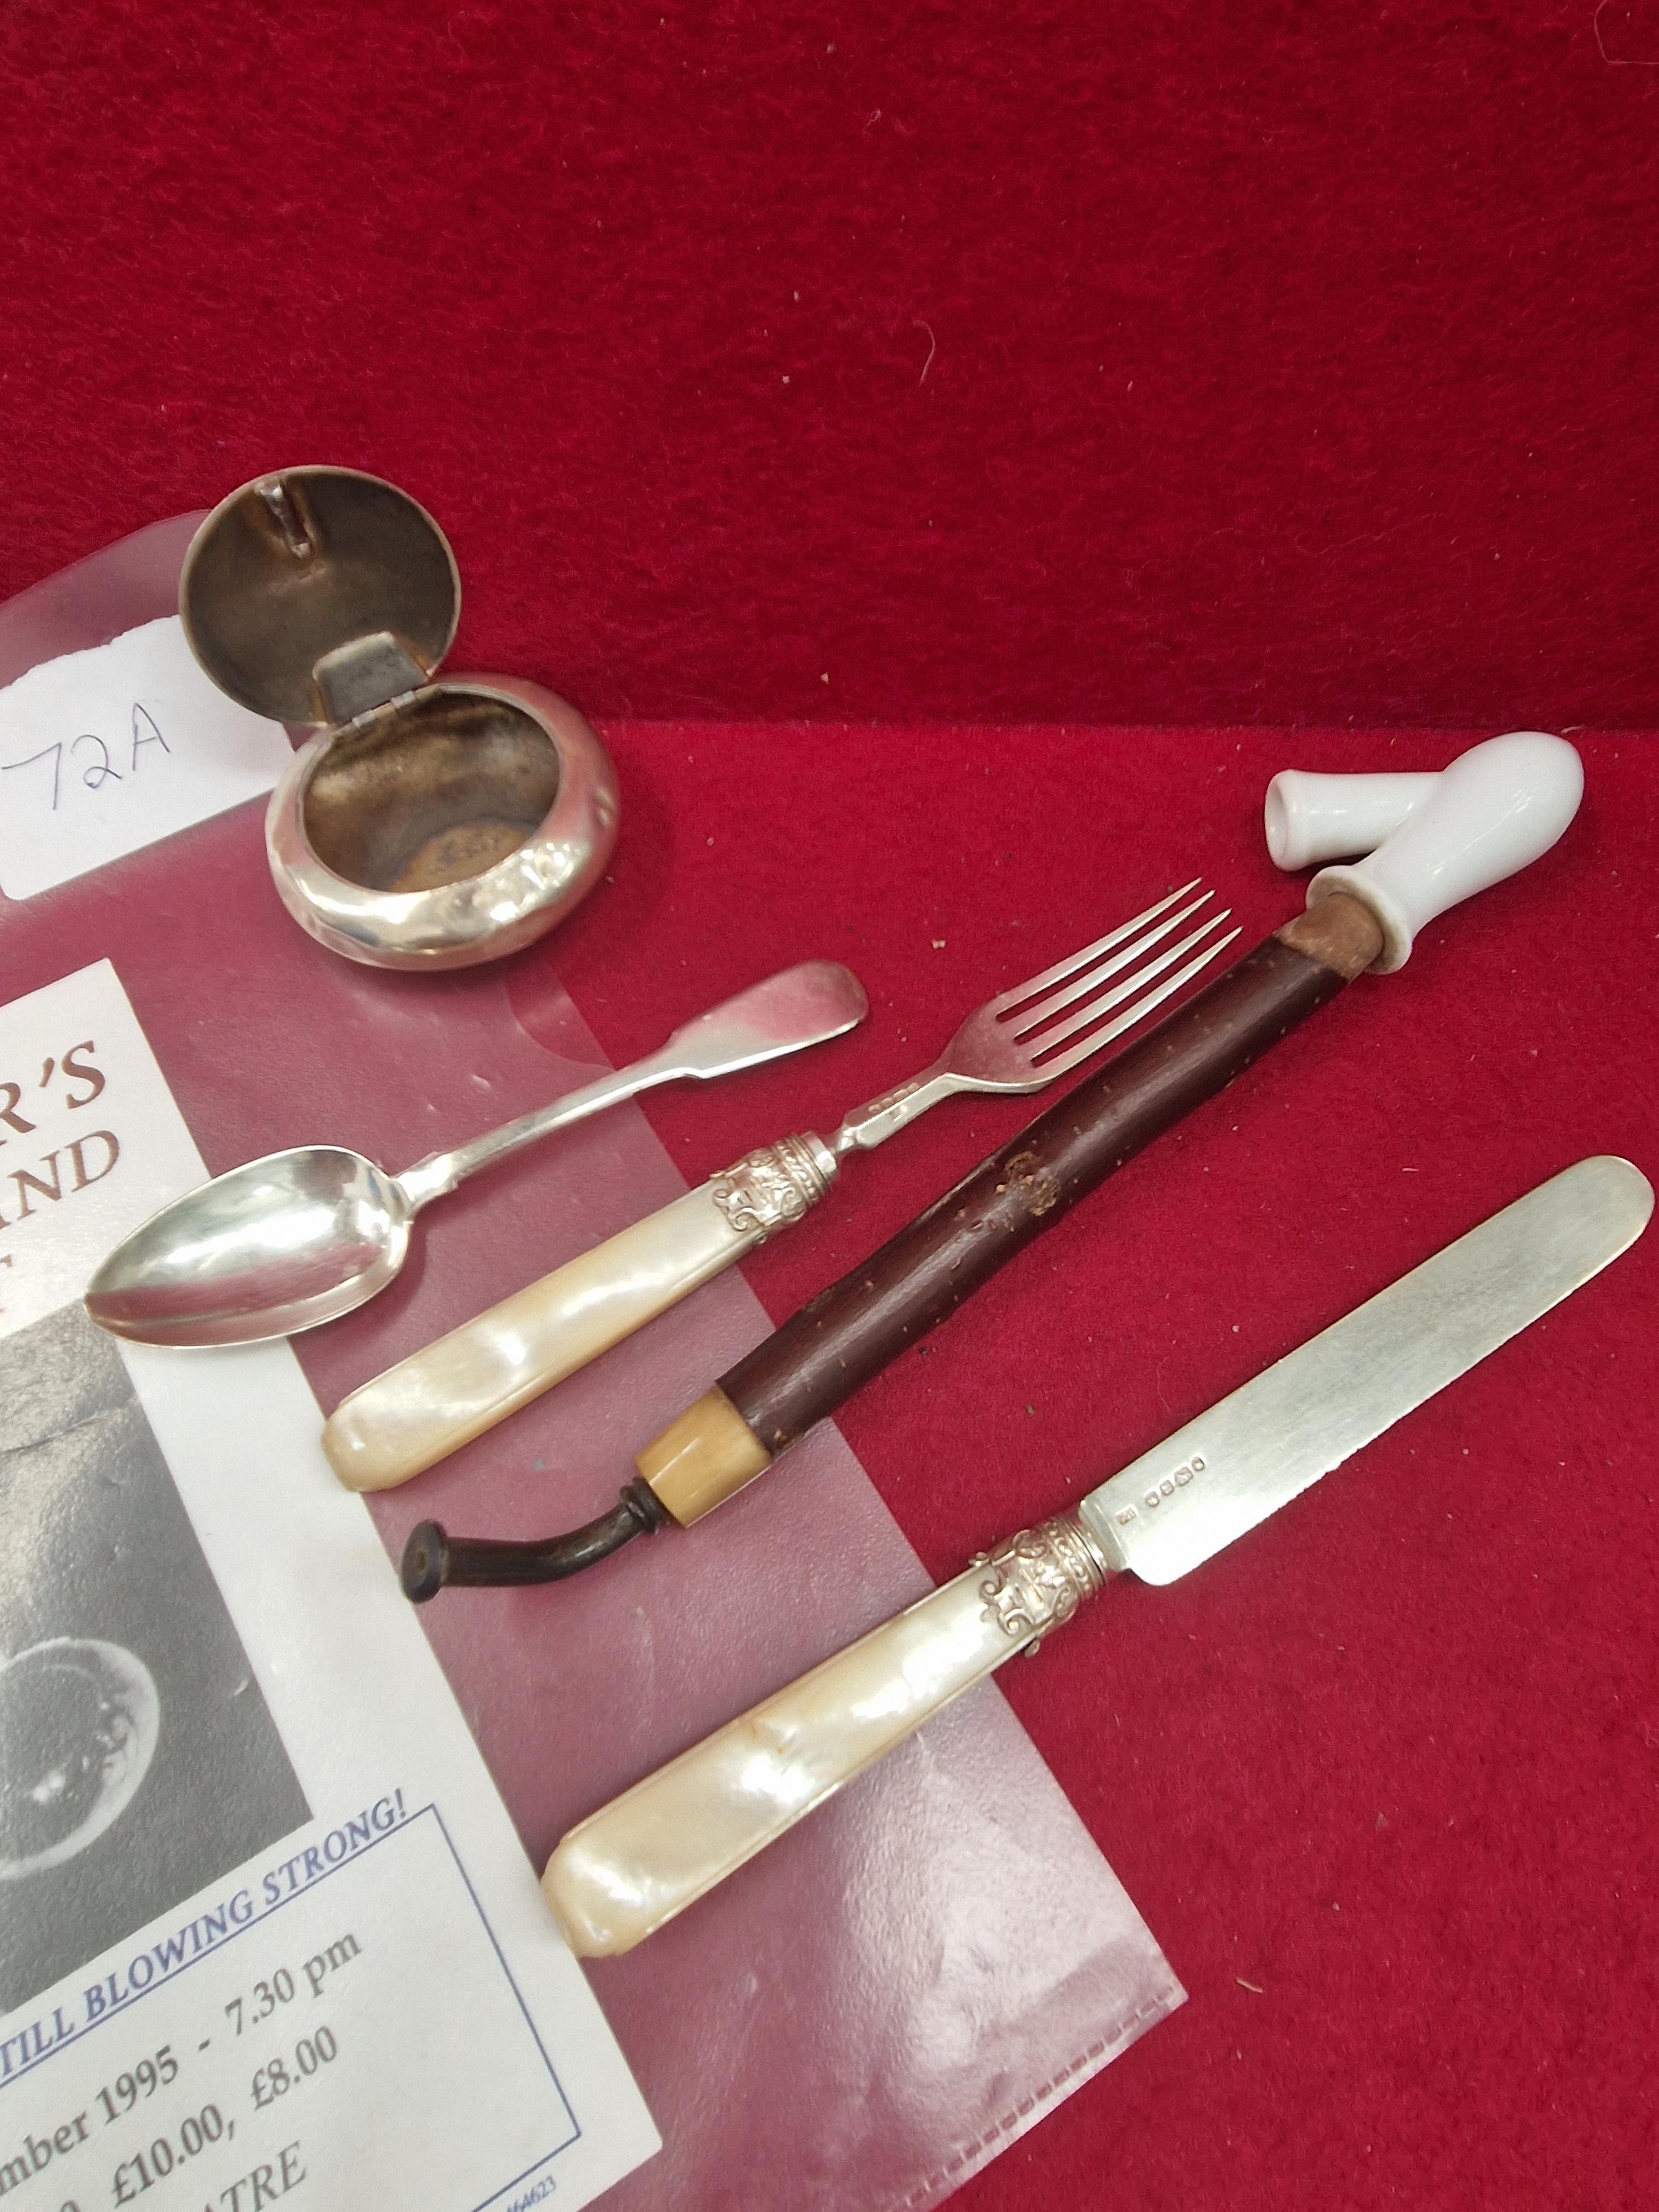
pixel 768 1188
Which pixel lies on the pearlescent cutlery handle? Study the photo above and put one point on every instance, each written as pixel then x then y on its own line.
pixel 450 1391
pixel 623 1872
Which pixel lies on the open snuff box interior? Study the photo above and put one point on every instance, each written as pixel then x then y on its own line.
pixel 431 823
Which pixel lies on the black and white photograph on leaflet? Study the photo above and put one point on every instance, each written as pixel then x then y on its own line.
pixel 138 1759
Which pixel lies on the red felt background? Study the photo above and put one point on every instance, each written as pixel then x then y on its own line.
pixel 1184 365
pixel 1184 362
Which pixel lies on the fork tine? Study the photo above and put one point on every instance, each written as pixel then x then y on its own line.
pixel 1131 1014
pixel 1018 993
pixel 1087 978
pixel 1098 1001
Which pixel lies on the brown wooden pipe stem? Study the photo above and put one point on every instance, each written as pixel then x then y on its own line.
pixel 850 1331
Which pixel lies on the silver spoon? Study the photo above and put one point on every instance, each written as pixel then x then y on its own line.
pixel 302 1236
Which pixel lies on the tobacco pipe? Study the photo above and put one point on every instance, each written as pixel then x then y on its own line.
pixel 1495 810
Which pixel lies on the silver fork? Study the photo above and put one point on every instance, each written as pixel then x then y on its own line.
pixel 1018 1041
pixel 440 1398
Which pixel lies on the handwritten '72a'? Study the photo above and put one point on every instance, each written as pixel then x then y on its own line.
pixel 89 759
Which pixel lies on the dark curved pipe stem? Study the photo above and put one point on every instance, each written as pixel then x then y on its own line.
pixel 432 1558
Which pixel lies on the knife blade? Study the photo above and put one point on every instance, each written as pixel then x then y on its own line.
pixel 623 1872
pixel 1223 1474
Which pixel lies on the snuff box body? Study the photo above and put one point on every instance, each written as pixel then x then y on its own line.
pixel 429 822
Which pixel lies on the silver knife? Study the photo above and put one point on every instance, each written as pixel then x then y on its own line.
pixel 629 1867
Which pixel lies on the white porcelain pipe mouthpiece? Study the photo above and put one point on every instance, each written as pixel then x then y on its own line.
pixel 1310 818
pixel 1493 811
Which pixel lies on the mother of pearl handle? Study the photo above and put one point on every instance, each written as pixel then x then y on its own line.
pixel 442 1396
pixel 631 1866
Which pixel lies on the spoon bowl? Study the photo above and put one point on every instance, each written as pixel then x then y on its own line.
pixel 284 1243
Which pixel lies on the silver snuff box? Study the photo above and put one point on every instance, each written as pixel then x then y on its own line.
pixel 429 822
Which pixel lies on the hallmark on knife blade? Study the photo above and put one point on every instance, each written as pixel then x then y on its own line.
pixel 1159 1490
